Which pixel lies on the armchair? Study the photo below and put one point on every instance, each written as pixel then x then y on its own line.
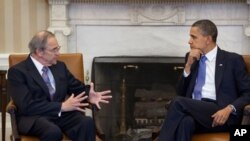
pixel 74 62
pixel 225 135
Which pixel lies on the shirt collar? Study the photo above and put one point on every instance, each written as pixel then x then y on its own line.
pixel 38 65
pixel 211 55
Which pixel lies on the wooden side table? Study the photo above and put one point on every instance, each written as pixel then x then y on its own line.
pixel 3 95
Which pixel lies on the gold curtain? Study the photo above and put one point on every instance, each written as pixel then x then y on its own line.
pixel 19 21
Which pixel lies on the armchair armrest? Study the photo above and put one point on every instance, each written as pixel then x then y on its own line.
pixel 99 132
pixel 246 115
pixel 11 109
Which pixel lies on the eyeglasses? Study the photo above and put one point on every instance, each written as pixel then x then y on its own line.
pixel 55 49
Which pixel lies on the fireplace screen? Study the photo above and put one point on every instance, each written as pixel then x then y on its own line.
pixel 141 89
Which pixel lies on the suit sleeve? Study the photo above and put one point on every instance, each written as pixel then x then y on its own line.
pixel 184 82
pixel 74 86
pixel 243 84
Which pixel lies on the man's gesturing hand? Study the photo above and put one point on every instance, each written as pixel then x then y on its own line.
pixel 97 97
pixel 74 103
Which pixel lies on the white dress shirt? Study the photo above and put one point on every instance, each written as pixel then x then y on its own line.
pixel 208 90
pixel 39 67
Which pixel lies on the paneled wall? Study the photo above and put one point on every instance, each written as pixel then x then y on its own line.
pixel 19 21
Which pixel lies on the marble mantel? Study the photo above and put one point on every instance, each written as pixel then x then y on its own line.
pixel 144 27
pixel 4 65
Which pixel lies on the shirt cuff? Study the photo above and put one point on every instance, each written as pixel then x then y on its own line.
pixel 59 114
pixel 185 74
pixel 233 109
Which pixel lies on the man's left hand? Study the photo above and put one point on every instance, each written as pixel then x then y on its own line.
pixel 97 97
pixel 221 116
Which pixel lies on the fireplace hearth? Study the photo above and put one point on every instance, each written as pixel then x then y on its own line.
pixel 141 88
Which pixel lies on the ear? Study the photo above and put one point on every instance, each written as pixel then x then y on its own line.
pixel 39 52
pixel 209 39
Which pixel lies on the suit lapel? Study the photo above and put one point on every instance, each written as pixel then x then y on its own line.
pixel 219 68
pixel 36 75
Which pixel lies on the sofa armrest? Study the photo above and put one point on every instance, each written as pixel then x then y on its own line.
pixel 246 115
pixel 11 109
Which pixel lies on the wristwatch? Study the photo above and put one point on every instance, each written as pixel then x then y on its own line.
pixel 233 108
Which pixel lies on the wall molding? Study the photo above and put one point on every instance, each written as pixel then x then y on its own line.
pixel 59 22
pixel 96 26
pixel 4 61
pixel 157 1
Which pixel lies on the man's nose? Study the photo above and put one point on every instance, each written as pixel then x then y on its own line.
pixel 190 41
pixel 57 53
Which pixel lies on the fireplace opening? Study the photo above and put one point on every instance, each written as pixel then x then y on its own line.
pixel 141 88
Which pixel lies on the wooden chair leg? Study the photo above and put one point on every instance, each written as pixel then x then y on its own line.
pixel 3 116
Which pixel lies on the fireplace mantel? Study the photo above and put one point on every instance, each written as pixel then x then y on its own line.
pixel 138 59
pixel 144 27
pixel 60 18
pixel 157 1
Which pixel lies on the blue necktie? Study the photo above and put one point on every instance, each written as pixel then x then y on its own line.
pixel 200 81
pixel 47 81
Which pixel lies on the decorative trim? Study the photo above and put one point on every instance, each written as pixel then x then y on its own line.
pixel 158 13
pixel 157 1
pixel 59 22
pixel 64 2
pixel 247 31
pixel 4 61
pixel 65 30
pixel 61 34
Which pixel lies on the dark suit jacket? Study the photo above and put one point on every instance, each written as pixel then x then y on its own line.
pixel 232 81
pixel 31 95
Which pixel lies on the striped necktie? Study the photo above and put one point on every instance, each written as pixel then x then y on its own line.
pixel 47 81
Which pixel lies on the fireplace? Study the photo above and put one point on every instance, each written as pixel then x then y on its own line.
pixel 141 88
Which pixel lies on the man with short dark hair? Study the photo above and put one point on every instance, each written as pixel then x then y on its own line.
pixel 212 91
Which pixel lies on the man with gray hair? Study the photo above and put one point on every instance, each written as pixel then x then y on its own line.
pixel 48 97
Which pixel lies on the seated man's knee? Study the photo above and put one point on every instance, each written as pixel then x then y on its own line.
pixel 87 127
pixel 188 120
pixel 53 133
pixel 179 103
pixel 177 100
pixel 87 122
